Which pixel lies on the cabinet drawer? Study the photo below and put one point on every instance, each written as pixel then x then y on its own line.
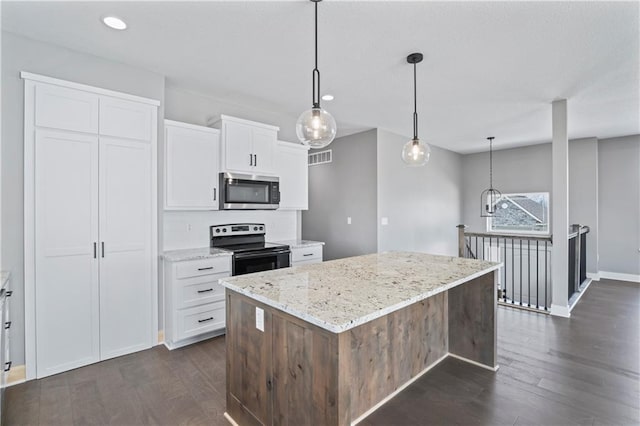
pixel 304 254
pixel 197 268
pixel 201 319
pixel 199 294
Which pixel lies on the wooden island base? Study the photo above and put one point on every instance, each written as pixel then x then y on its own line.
pixel 295 373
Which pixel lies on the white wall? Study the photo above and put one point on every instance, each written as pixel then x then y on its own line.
pixel 423 204
pixel 526 169
pixel 619 205
pixel 191 229
pixel 190 107
pixel 21 54
pixel 583 193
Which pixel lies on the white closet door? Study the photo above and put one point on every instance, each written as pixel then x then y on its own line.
pixel 125 236
pixel 66 199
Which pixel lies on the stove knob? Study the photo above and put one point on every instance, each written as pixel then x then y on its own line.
pixel 224 229
pixel 255 228
pixel 261 228
pixel 218 231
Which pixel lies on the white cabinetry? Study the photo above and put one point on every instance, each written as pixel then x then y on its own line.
pixel 292 168
pixel 306 255
pixel 247 146
pixel 191 166
pixel 90 255
pixel 194 301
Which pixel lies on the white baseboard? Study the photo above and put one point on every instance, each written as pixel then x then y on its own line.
pixel 578 294
pixel 477 364
pixel 634 278
pixel 595 276
pixel 561 311
pixel 230 419
pixel 17 375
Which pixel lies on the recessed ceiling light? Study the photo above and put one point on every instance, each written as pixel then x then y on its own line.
pixel 114 22
pixel 327 97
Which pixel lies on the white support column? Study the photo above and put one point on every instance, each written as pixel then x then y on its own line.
pixel 560 210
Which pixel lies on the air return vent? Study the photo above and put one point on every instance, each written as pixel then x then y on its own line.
pixel 322 157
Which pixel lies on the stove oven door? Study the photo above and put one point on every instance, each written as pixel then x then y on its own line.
pixel 246 263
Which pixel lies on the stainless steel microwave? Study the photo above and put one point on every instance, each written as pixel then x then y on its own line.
pixel 249 192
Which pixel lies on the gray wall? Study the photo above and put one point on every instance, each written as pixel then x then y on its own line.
pixel 619 204
pixel 21 54
pixel 344 188
pixel 422 204
pixel 526 169
pixel 583 193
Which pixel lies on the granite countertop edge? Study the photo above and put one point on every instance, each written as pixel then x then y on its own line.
pixel 193 254
pixel 340 328
pixel 300 243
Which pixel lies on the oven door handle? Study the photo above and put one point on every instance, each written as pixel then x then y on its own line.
pixel 241 256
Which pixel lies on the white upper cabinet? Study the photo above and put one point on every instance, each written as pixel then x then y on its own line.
pixel 191 166
pixel 247 146
pixel 66 109
pixel 126 119
pixel 291 167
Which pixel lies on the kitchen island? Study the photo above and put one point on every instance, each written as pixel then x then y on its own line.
pixel 328 343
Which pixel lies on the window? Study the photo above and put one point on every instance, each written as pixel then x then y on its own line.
pixel 522 213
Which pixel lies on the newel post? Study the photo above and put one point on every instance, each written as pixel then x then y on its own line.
pixel 461 229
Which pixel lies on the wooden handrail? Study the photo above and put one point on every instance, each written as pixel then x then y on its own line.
pixel 514 236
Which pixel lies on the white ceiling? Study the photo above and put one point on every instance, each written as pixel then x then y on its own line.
pixel 490 68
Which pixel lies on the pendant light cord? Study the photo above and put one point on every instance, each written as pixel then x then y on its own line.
pixel 415 104
pixel 316 72
pixel 490 163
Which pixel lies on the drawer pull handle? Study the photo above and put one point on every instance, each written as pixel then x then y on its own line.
pixel 206 319
pixel 7 325
pixel 205 291
pixel 308 254
pixel 205 269
pixel 7 366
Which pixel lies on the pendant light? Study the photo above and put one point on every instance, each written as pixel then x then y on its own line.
pixel 489 197
pixel 316 127
pixel 415 152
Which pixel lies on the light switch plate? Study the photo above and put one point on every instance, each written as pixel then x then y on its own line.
pixel 260 319
pixel 384 221
pixel 348 220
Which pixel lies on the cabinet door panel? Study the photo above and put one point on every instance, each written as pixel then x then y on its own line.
pixel 66 202
pixel 192 168
pixel 66 109
pixel 293 171
pixel 125 119
pixel 264 145
pixel 237 150
pixel 125 230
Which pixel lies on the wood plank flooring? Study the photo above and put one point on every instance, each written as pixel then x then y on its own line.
pixel 553 371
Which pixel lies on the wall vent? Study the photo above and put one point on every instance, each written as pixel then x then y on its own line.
pixel 322 157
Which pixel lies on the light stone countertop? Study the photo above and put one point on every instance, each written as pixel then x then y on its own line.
pixel 341 294
pixel 194 254
pixel 4 279
pixel 295 244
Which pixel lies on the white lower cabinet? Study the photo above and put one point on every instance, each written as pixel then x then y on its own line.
pixel 306 255
pixel 194 301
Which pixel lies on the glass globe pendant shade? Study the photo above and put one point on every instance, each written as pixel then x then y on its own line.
pixel 416 153
pixel 316 128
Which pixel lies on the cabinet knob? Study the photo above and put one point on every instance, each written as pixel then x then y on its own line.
pixel 7 325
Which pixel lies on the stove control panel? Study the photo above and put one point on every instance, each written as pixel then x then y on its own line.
pixel 238 229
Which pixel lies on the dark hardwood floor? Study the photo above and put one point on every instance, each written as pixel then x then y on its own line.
pixel 579 371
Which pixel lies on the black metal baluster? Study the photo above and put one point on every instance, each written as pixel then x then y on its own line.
pixel 476 247
pixel 483 248
pixel 537 276
pixel 529 272
pixel 505 270
pixel 546 289
pixel 521 272
pixel 513 272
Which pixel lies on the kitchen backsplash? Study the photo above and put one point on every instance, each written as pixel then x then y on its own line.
pixel 191 229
